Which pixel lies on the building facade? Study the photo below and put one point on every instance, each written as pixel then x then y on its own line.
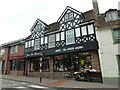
pixel 70 44
pixel 12 57
pixel 108 35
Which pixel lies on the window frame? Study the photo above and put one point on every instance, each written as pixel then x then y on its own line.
pixel 114 37
pixel 70 35
pixel 51 41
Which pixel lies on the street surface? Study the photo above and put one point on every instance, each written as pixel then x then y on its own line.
pixel 16 85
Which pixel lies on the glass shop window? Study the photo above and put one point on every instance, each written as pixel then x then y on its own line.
pixel 45 64
pixel 17 64
pixel 58 63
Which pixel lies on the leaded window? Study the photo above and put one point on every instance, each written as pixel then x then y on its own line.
pixel 62 35
pixel 46 40
pixel 70 39
pixel 84 30
pixel 77 32
pixel 37 44
pixel 52 41
pixel 58 37
pixel 42 40
pixel 90 29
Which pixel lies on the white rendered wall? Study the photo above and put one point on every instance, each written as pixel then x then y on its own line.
pixel 107 53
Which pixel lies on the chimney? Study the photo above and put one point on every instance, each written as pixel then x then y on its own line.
pixel 95 7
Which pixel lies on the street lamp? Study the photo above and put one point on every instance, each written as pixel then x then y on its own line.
pixel 41 57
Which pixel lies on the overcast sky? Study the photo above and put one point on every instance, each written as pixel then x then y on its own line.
pixel 18 16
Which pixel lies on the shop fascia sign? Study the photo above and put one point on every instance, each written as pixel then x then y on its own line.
pixel 69 49
pixel 34 54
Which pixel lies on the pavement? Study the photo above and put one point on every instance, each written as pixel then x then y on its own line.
pixel 65 83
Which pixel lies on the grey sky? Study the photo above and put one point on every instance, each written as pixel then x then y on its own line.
pixel 18 16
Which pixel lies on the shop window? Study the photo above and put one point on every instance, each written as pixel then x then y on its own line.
pixel 45 65
pixel 17 64
pixel 116 36
pixel 0 64
pixel 52 41
pixel 84 30
pixel 118 58
pixel 70 39
pixel 34 64
pixel 90 29
pixel 37 44
pixel 58 63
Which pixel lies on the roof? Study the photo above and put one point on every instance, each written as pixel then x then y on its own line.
pixel 101 19
pixel 15 42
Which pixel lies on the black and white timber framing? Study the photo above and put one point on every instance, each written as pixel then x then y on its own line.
pixel 73 35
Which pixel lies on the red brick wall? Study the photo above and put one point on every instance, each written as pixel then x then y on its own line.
pixel 17 72
pixel 95 60
pixel 20 51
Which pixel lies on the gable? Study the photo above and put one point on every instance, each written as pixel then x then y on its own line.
pixel 70 12
pixel 70 18
pixel 38 29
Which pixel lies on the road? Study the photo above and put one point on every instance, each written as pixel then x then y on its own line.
pixel 16 85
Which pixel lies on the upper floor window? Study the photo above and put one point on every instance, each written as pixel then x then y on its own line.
pixel 68 16
pixel 52 41
pixel 116 36
pixel 111 16
pixel 37 44
pixel 58 37
pixel 14 49
pixel 84 30
pixel 70 39
pixel 90 29
pixel 77 32
pixel 2 52
pixel 46 40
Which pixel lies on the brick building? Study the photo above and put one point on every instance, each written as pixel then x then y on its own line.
pixel 12 57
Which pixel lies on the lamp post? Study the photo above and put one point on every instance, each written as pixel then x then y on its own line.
pixel 41 57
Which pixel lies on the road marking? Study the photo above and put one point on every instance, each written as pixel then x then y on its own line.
pixel 36 86
pixel 19 87
pixel 15 84
pixel 23 83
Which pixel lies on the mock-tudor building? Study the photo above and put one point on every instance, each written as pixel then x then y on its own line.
pixel 70 44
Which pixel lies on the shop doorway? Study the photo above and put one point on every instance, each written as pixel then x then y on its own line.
pixel 80 61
